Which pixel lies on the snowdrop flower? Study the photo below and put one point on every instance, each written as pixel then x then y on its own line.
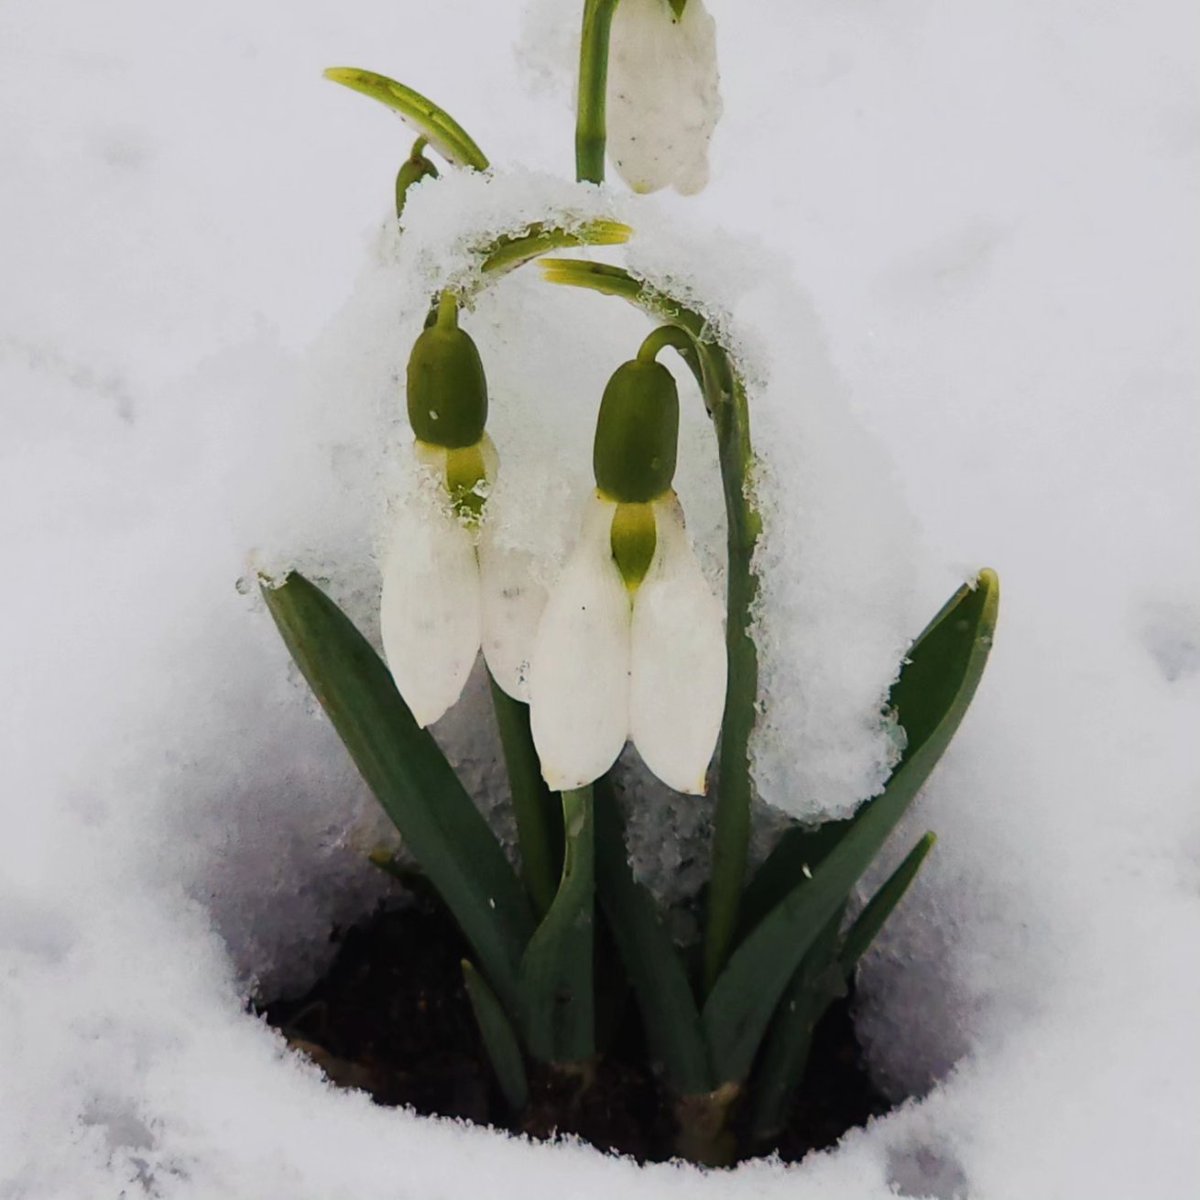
pixel 663 98
pixel 448 588
pixel 631 643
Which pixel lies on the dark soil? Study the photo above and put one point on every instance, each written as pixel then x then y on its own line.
pixel 391 1017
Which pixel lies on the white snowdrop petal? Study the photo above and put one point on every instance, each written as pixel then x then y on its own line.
pixel 429 612
pixel 663 97
pixel 677 688
pixel 579 673
pixel 512 601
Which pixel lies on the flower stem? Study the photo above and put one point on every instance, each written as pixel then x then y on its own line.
pixel 414 168
pixel 590 131
pixel 662 337
pixel 538 814
pixel 447 310
pixel 731 823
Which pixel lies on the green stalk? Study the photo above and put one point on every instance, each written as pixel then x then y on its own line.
pixel 414 168
pixel 664 336
pixel 731 823
pixel 591 134
pixel 539 820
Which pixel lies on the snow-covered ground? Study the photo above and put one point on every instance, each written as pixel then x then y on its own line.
pixel 980 218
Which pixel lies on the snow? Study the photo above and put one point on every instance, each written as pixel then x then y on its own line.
pixel 956 248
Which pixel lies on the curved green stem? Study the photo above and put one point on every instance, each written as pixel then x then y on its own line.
pixel 591 133
pixel 731 824
pixel 414 168
pixel 664 336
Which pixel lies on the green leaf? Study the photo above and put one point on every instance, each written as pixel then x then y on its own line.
pixel 931 696
pixel 794 857
pixel 410 777
pixel 442 131
pixel 499 1039
pixel 672 1022
pixel 816 984
pixel 873 917
pixel 556 972
pixel 823 977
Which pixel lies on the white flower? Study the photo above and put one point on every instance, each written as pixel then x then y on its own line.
pixel 448 589
pixel 663 97
pixel 613 662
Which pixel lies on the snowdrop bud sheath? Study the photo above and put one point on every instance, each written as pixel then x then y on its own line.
pixel 677 660
pixel 579 673
pixel 663 97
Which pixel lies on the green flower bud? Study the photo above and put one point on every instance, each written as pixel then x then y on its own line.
pixel 637 433
pixel 447 389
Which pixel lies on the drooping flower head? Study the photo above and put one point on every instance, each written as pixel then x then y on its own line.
pixel 663 97
pixel 447 587
pixel 630 645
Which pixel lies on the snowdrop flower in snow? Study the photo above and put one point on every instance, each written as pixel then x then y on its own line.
pixel 663 98
pixel 448 588
pixel 631 643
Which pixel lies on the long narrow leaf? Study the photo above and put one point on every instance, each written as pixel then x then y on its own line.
pixel 817 982
pixel 871 920
pixel 499 1039
pixel 410 777
pixel 822 977
pixel 797 854
pixel 556 972
pixel 931 697
pixel 669 1013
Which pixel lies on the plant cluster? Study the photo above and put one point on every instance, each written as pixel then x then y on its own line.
pixel 628 645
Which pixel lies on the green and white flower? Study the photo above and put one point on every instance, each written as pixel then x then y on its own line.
pixel 631 643
pixel 663 93
pixel 448 587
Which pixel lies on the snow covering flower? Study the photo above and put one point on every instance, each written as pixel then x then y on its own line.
pixel 663 98
pixel 448 587
pixel 630 644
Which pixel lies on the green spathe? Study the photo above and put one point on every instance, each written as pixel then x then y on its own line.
pixel 637 433
pixel 447 389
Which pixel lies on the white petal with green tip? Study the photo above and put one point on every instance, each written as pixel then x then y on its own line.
pixel 512 604
pixel 663 95
pixel 677 688
pixel 429 613
pixel 579 674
